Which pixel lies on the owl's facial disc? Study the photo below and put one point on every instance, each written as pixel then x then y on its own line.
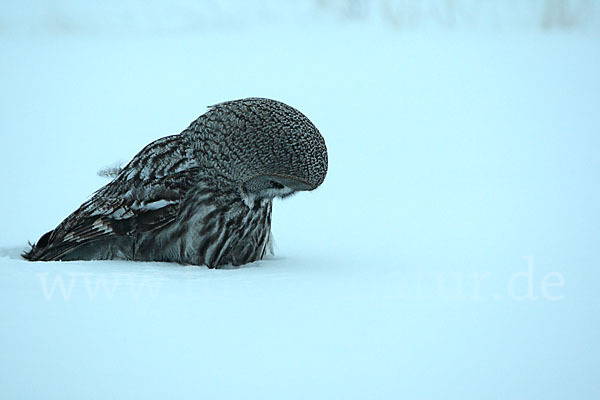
pixel 270 186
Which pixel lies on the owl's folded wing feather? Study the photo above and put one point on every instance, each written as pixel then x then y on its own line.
pixel 117 210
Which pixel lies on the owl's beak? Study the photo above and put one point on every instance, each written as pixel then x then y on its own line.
pixel 296 184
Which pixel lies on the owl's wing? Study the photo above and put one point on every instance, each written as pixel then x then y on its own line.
pixel 139 200
pixel 113 213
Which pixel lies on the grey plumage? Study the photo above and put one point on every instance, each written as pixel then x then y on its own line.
pixel 202 197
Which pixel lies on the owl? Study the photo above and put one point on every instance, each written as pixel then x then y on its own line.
pixel 202 197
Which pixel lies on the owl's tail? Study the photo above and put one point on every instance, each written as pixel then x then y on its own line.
pixel 38 251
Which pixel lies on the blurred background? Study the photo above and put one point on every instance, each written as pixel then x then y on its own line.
pixel 452 251
pixel 70 17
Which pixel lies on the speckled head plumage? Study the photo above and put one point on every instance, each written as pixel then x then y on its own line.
pixel 261 143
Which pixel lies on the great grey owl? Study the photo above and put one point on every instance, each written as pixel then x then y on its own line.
pixel 201 197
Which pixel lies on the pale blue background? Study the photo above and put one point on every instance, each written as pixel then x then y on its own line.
pixel 458 154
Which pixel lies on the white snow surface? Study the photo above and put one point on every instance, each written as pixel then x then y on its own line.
pixel 451 253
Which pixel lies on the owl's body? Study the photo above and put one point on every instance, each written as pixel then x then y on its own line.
pixel 202 197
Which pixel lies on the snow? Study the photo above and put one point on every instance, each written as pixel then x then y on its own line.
pixel 452 251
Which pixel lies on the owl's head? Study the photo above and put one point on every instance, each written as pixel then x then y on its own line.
pixel 266 147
